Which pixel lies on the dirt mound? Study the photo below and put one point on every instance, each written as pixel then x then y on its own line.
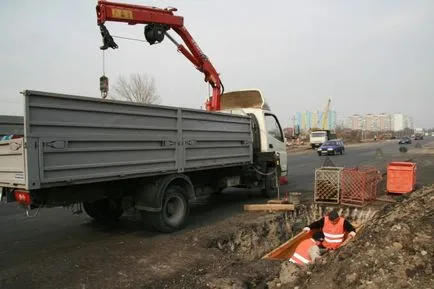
pixel 394 250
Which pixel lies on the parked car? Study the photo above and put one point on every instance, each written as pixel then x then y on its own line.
pixel 405 140
pixel 332 147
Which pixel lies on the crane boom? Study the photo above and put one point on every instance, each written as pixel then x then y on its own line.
pixel 158 21
pixel 326 114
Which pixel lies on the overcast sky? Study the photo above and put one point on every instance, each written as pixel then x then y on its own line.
pixel 369 56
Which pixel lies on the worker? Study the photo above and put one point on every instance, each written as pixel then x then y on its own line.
pixel 334 228
pixel 308 250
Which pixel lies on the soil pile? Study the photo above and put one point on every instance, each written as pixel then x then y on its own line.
pixel 394 250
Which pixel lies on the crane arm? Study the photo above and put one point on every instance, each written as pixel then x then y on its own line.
pixel 158 21
pixel 326 114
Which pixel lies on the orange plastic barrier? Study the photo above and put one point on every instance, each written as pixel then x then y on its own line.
pixel 401 177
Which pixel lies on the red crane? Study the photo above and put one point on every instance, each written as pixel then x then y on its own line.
pixel 158 21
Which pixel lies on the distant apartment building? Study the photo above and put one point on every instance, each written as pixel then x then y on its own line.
pixel 398 122
pixel 384 122
pixel 377 122
pixel 380 122
pixel 401 122
pixel 356 121
pixel 307 120
pixel 408 122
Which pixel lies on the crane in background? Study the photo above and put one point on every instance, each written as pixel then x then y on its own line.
pixel 319 136
pixel 325 115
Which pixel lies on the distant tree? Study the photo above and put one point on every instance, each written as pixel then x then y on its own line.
pixel 139 87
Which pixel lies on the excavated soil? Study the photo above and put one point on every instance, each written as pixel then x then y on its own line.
pixel 232 252
pixel 394 250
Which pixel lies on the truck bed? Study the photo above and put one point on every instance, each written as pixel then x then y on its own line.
pixel 74 139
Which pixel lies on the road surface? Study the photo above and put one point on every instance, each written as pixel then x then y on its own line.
pixel 302 165
pixel 48 250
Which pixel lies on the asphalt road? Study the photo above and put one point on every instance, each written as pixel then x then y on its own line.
pixel 31 247
pixel 302 165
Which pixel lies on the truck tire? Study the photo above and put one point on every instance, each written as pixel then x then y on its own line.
pixel 104 210
pixel 174 211
pixel 270 190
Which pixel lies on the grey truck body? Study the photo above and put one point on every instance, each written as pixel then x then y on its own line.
pixel 76 140
pixel 104 157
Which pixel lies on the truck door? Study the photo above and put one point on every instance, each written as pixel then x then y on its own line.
pixel 276 140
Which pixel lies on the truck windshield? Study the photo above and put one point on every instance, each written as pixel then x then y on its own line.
pixel 318 134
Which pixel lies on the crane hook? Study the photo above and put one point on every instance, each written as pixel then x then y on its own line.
pixel 107 39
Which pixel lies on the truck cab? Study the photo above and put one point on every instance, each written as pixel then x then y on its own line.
pixel 418 134
pixel 271 137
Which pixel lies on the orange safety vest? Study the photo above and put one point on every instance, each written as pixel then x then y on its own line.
pixel 301 254
pixel 333 233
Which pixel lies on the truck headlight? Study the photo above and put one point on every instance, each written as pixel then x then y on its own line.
pixel 329 149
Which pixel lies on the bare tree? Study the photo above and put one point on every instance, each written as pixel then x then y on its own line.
pixel 138 88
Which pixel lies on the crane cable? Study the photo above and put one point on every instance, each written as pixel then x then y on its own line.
pixel 129 38
pixel 103 62
pixel 141 40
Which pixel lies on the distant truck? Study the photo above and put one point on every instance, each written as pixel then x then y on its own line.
pixel 418 133
pixel 11 125
pixel 318 137
pixel 108 156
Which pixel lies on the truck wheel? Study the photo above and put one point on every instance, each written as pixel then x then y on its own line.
pixel 104 210
pixel 174 211
pixel 270 190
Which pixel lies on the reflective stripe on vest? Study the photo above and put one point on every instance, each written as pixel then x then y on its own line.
pixel 301 254
pixel 333 233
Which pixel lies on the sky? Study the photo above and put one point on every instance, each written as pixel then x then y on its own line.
pixel 367 56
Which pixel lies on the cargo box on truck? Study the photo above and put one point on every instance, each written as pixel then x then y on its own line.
pixel 109 156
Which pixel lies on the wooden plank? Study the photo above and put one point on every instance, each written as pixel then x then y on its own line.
pixel 288 247
pixel 269 207
pixel 282 201
pixel 387 200
pixel 286 250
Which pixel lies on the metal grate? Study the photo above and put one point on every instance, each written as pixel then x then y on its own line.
pixel 359 186
pixel 327 185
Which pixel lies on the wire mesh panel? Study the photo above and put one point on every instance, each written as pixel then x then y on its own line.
pixel 359 186
pixel 327 185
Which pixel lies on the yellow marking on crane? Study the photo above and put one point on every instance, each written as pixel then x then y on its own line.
pixel 122 13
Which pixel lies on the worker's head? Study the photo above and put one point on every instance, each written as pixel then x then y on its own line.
pixel 318 237
pixel 334 217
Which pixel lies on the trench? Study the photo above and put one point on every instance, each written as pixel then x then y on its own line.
pixel 255 243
